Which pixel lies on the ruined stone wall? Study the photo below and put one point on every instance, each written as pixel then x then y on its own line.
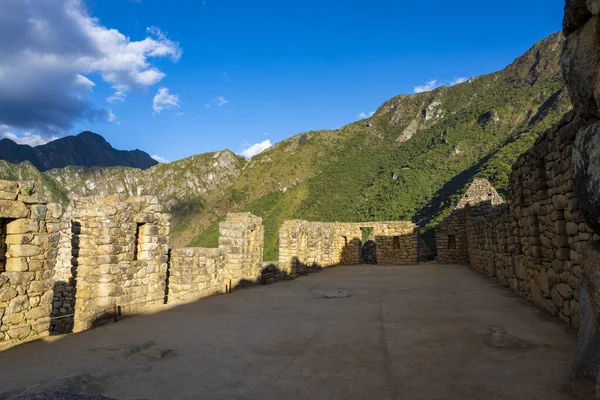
pixel 451 234
pixel 241 239
pixel 304 244
pixel 451 239
pixel 30 234
pixel 534 245
pixel 397 242
pixel 197 272
pixel 114 253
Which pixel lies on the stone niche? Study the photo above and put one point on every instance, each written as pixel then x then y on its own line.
pixel 304 245
pixel 113 253
pixel 199 272
pixel 29 235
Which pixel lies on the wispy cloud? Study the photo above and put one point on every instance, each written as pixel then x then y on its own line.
pixel 180 114
pixel 458 80
pixel 112 118
pixel 428 86
pixel 164 100
pixel 226 77
pixel 257 148
pixel 218 101
pixel 160 159
pixel 364 115
pixel 434 83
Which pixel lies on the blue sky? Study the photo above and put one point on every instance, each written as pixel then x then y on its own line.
pixel 248 71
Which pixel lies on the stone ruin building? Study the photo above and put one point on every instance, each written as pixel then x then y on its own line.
pixel 304 244
pixel 69 270
pixel 544 244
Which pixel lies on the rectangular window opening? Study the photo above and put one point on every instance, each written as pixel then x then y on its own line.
pixel 3 245
pixel 139 240
pixel 451 242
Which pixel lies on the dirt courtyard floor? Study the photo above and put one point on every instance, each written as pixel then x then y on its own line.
pixel 405 332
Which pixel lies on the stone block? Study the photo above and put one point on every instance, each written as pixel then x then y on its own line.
pixel 17 264
pixel 21 226
pixel 24 250
pixel 13 209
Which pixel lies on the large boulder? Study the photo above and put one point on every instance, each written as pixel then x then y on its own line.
pixel 586 164
pixel 576 13
pixel 580 61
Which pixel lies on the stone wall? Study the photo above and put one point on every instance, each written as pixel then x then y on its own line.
pixel 581 66
pixel 304 244
pixel 28 245
pixel 241 239
pixel 451 234
pixel 114 252
pixel 538 244
pixel 535 244
pixel 196 272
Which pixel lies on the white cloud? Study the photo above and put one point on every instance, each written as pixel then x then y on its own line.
pixel 111 117
pixel 458 80
pixel 220 100
pixel 257 148
pixel 180 114
pixel 28 138
pixel 160 159
pixel 364 115
pixel 432 84
pixel 46 70
pixel 164 100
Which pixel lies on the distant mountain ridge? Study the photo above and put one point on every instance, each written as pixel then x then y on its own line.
pixel 87 149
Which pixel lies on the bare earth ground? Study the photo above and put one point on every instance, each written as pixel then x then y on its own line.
pixel 415 332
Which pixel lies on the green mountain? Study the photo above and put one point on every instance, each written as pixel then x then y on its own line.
pixel 411 160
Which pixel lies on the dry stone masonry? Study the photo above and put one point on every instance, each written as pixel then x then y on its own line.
pixel 67 272
pixel 113 252
pixel 304 244
pixel 29 230
pixel 545 244
pixel 197 272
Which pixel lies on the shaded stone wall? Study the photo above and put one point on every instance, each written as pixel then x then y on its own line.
pixel 197 272
pixel 114 253
pixel 451 239
pixel 30 235
pixel 535 244
pixel 304 244
pixel 581 67
pixel 451 234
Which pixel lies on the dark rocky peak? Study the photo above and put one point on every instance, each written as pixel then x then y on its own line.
pixel 87 149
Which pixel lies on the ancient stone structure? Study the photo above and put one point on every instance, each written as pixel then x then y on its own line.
pixel 451 234
pixel 545 244
pixel 29 235
pixel 113 252
pixel 67 272
pixel 304 244
pixel 198 272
